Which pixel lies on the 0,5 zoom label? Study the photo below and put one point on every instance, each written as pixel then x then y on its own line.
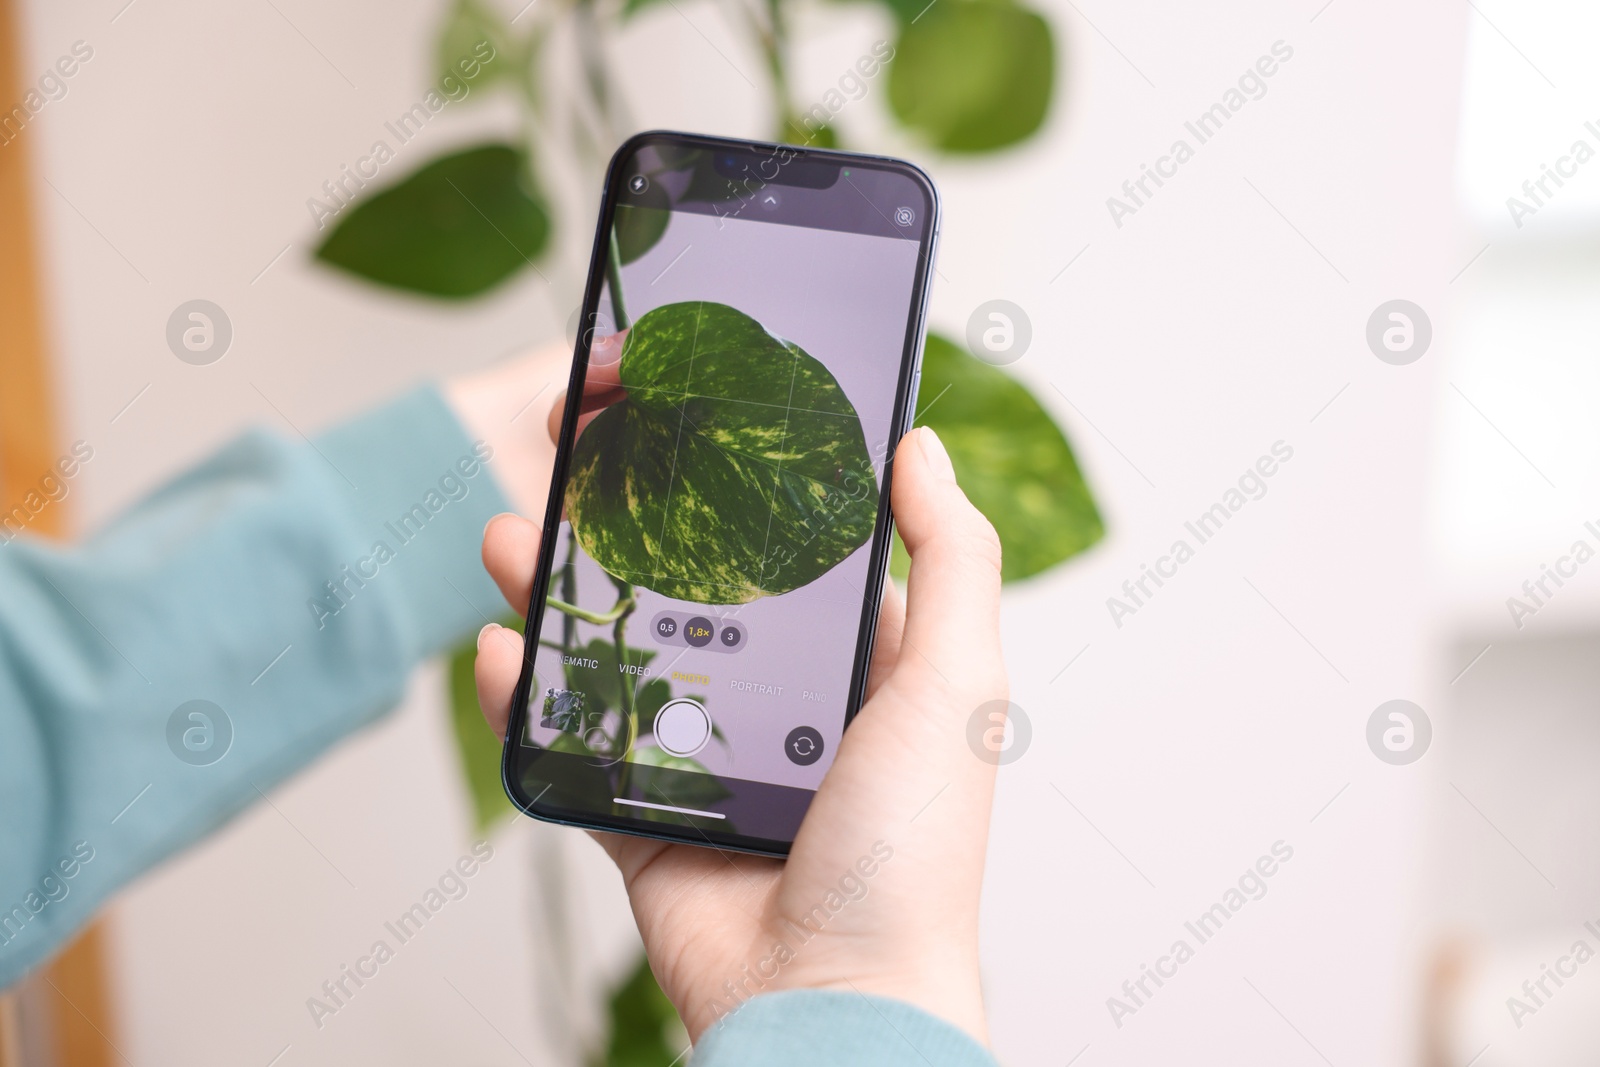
pixel 697 631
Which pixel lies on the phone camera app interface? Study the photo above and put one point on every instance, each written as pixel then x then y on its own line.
pixel 723 490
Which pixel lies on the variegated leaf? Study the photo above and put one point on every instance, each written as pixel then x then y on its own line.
pixel 735 468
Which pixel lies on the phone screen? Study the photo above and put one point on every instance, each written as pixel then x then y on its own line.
pixel 710 585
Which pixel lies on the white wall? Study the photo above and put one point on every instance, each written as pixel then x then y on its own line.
pixel 1511 861
pixel 1219 319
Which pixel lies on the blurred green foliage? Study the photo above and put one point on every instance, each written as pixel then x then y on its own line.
pixel 966 76
pixel 644 1025
pixel 973 75
pixel 476 744
pixel 456 228
pixel 1011 458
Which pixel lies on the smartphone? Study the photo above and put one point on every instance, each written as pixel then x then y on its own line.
pixel 718 530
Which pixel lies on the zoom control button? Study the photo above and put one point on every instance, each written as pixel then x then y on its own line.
pixel 697 631
pixel 803 746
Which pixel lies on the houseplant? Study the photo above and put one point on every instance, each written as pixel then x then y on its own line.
pixel 965 78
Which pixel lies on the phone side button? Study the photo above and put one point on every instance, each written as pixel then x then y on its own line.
pixel 911 403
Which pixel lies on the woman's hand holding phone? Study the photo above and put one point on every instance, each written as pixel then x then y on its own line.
pixel 880 892
pixel 495 404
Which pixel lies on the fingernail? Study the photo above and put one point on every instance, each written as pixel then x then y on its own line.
pixel 491 522
pixel 485 632
pixel 938 459
pixel 606 351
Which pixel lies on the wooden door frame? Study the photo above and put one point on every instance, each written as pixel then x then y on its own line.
pixel 61 1013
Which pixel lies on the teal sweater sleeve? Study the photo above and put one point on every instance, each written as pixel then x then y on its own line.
pixel 828 1028
pixel 288 585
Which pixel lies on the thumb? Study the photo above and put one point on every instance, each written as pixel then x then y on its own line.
pixel 953 593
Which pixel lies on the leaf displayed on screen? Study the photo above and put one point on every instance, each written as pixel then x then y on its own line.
pixel 639 227
pixel 456 228
pixel 571 744
pixel 1010 457
pixel 697 792
pixel 735 467
pixel 973 75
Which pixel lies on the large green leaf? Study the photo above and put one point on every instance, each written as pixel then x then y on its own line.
pixel 973 75
pixel 1010 457
pixel 735 468
pixel 455 228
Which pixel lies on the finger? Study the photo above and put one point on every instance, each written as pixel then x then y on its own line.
pixel 558 412
pixel 953 592
pixel 602 385
pixel 586 412
pixel 510 554
pixel 611 843
pixel 605 362
pixel 886 649
pixel 629 853
pixel 496 669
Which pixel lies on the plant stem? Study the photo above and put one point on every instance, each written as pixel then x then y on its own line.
pixel 774 40
pixel 619 636
pixel 594 68
pixel 569 593
pixel 619 312
pixel 626 602
pixel 618 610
pixel 625 682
